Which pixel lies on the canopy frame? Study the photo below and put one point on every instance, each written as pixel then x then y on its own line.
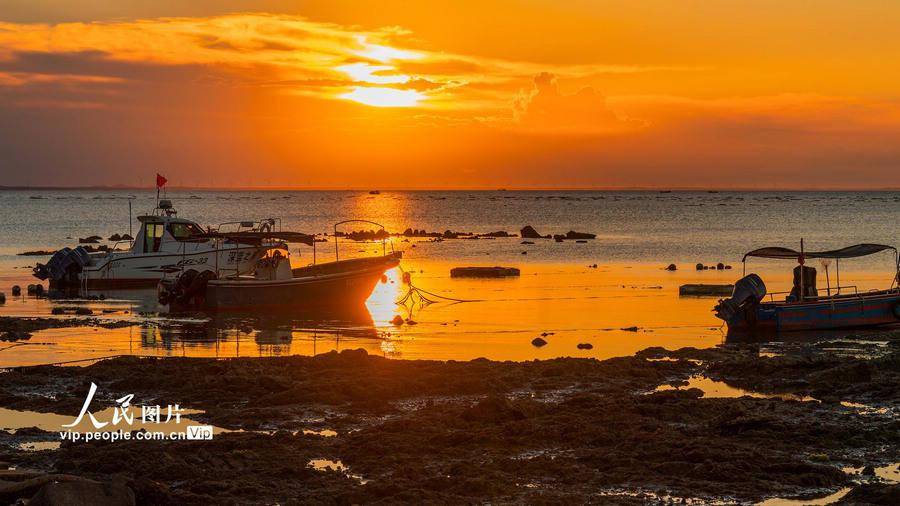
pixel 854 251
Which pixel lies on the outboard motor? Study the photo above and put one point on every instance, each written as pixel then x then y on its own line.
pixel 64 266
pixel 748 290
pixel 187 291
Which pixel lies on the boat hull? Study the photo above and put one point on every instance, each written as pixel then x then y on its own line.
pixel 869 310
pixel 126 271
pixel 344 283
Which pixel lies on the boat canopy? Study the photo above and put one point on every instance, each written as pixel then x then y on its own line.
pixel 253 237
pixel 857 250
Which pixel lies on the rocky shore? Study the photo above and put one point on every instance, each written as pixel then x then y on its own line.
pixel 342 428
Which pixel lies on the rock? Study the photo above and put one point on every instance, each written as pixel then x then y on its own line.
pixel 868 470
pixel 57 310
pixel 410 321
pixel 727 267
pixel 705 290
pixel 36 290
pixel 493 409
pixel 36 253
pixel 631 329
pixel 720 266
pixel 527 242
pixel 538 342
pixel 571 234
pixel 126 237
pixel 83 311
pixel 16 290
pixel 585 346
pixel 15 335
pixel 672 267
pixel 699 267
pixel 83 493
pixel 581 241
pixel 2 298
pixel 873 493
pixel 94 239
pixel 530 233
pixel 524 252
pixel 559 238
pixel 483 272
pixel 705 267
pixel 115 237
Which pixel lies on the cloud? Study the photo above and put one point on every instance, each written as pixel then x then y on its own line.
pixel 258 48
pixel 546 109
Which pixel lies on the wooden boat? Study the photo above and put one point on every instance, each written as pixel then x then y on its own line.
pixel 750 310
pixel 344 282
pixel 274 286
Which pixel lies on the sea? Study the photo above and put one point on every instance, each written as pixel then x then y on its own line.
pixel 612 293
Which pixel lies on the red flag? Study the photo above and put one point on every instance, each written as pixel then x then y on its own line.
pixel 160 181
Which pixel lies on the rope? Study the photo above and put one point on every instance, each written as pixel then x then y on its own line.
pixel 94 359
pixel 424 296
pixel 24 344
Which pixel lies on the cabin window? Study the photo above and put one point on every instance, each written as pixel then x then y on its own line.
pixel 153 233
pixel 184 231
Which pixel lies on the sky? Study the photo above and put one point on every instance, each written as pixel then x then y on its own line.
pixel 451 94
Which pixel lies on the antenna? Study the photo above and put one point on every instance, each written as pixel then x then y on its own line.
pixel 130 220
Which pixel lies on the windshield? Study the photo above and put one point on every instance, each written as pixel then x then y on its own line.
pixel 184 231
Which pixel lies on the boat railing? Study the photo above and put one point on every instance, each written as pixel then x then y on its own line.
pixel 384 236
pixel 833 291
pixel 253 225
pixel 116 244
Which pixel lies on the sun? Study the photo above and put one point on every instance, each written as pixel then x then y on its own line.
pixel 384 97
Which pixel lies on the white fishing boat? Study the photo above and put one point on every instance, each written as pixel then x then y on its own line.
pixel 164 244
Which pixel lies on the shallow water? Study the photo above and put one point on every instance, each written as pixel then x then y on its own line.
pixel 625 304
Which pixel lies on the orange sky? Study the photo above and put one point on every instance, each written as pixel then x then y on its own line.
pixel 398 94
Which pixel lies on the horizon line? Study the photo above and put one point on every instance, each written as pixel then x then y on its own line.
pixel 455 188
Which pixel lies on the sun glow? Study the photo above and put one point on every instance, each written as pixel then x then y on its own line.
pixel 384 97
pixel 384 54
pixel 366 73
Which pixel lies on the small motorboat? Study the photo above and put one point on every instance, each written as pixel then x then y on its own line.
pixel 164 244
pixel 752 311
pixel 273 285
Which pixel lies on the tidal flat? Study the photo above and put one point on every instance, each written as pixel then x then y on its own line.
pixel 790 421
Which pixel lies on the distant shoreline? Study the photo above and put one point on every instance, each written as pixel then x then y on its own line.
pixel 460 189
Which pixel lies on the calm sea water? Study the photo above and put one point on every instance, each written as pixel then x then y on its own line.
pixel 631 226
pixel 558 293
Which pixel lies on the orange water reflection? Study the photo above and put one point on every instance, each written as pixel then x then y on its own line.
pixel 618 309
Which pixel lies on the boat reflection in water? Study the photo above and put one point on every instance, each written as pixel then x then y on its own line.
pixel 236 334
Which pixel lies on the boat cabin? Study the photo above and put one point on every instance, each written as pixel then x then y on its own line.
pixel 165 234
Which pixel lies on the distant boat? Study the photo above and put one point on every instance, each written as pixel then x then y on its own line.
pixel 752 311
pixel 374 192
